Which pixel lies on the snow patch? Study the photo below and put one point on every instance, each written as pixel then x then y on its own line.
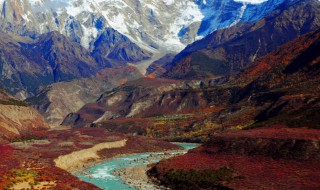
pixel 251 1
pixel 89 34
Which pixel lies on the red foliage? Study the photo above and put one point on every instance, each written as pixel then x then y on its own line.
pixel 258 172
pixel 276 132
pixel 283 55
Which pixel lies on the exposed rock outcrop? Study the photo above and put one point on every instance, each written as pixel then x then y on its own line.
pixel 17 119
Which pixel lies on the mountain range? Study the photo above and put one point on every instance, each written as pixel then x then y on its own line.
pixel 153 25
pixel 238 76
pixel 47 67
pixel 156 97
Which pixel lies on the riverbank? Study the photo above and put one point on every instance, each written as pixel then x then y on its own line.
pixel 128 171
pixel 137 177
pixel 54 159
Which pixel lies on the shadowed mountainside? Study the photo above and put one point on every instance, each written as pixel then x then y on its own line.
pixel 113 47
pixel 230 50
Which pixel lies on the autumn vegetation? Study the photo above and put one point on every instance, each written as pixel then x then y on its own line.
pixel 32 162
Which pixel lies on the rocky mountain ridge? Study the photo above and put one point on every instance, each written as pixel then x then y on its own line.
pixel 27 64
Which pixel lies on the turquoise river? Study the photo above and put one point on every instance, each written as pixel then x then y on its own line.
pixel 102 176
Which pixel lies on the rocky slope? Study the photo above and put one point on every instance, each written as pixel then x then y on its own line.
pixel 56 101
pixel 136 98
pixel 113 46
pixel 67 59
pixel 230 50
pixel 17 119
pixel 156 69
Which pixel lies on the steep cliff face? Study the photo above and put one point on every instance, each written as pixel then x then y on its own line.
pixel 17 119
pixel 230 50
pixel 15 15
pixel 20 71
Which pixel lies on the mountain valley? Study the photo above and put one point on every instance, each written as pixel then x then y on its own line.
pixel 85 81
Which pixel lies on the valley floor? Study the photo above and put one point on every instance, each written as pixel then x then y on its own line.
pixel 38 162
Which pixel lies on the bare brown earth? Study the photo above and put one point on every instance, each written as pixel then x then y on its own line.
pixel 17 119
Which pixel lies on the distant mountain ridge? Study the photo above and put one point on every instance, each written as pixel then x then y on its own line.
pixel 27 64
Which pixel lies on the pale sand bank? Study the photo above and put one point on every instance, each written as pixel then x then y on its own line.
pixel 76 160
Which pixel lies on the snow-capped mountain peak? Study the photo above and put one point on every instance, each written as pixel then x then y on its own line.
pixel 166 25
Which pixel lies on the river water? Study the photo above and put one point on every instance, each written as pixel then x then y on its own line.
pixel 102 176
